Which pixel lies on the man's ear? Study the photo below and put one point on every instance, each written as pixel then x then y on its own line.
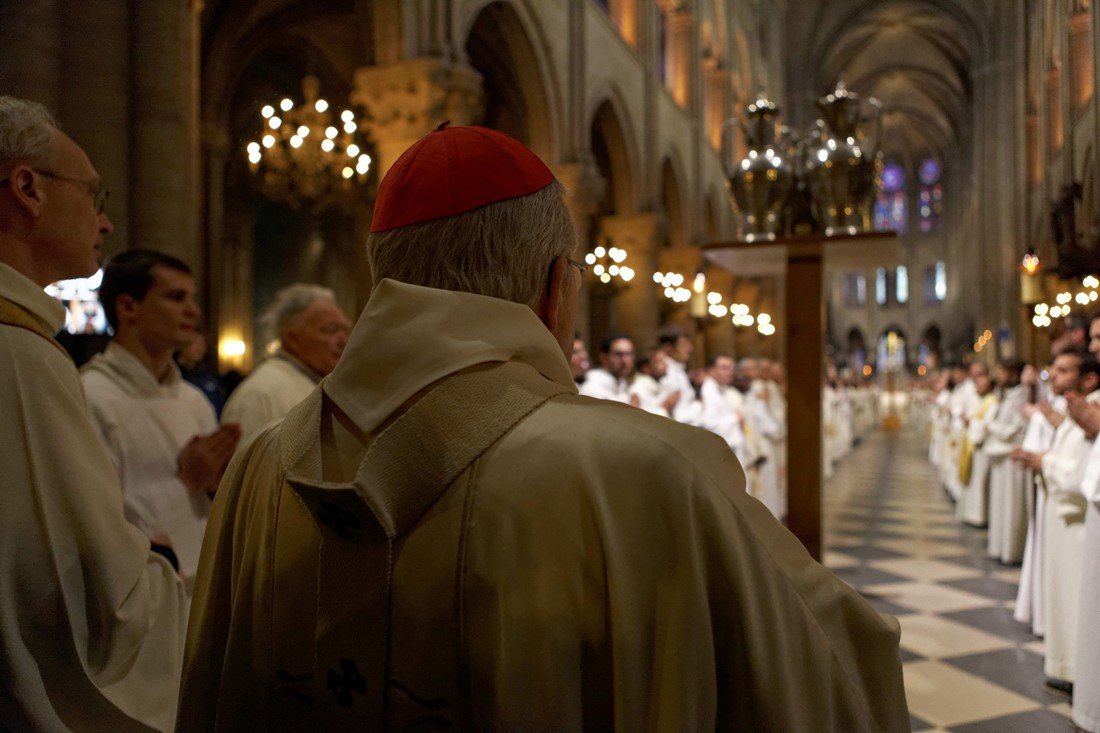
pixel 27 189
pixel 125 306
pixel 555 292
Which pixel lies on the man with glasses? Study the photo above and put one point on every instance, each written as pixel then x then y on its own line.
pixel 445 535
pixel 611 380
pixel 91 621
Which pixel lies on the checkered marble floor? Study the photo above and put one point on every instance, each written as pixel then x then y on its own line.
pixel 890 532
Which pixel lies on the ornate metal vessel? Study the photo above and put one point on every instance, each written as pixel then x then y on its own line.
pixel 842 162
pixel 761 182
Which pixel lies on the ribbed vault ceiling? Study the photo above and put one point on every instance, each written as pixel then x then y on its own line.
pixel 912 55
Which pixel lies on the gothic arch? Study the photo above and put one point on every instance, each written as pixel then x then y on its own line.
pixel 612 146
pixel 504 44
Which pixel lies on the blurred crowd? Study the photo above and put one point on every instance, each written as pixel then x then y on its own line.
pixel 1015 447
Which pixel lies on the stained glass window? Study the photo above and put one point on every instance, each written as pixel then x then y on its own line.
pixel 892 207
pixel 930 202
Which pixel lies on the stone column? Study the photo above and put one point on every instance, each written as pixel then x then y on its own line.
pixel 681 31
pixel 584 186
pixel 406 100
pixel 717 102
pixel 31 63
pixel 94 101
pixel 637 310
pixel 164 194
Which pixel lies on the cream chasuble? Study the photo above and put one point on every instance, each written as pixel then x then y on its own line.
pixel 91 622
pixel 595 567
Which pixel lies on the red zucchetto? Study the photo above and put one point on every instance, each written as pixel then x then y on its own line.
pixel 454 170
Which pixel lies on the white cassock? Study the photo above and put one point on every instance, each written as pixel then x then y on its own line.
pixel 964 398
pixel 720 416
pixel 1086 689
pixel 830 430
pixel 1008 482
pixel 91 622
pixel 1030 606
pixel 1064 544
pixel 602 385
pixel 688 409
pixel 651 395
pixel 277 384
pixel 973 504
pixel 768 432
pixel 939 419
pixel 778 404
pixel 144 424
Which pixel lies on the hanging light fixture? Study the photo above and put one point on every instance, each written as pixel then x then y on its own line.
pixel 1031 286
pixel 607 263
pixel 308 154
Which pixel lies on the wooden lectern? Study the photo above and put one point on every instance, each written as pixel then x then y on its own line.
pixel 803 261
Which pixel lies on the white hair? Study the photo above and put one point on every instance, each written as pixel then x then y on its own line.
pixel 503 250
pixel 26 133
pixel 288 304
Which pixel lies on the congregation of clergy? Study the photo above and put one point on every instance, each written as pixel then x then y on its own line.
pixel 1016 450
pixel 415 520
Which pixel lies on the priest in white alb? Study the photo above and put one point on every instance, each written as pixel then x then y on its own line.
pixel 1062 469
pixel 1008 482
pixel 445 535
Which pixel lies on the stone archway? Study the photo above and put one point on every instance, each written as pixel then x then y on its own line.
pixel 516 96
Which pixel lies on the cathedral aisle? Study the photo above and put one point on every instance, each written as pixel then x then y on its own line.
pixel 891 533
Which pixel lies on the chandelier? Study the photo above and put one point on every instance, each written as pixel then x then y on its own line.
pixel 607 263
pixel 308 155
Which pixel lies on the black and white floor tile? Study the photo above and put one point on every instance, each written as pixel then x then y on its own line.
pixel 892 534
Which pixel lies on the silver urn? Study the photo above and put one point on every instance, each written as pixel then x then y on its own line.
pixel 842 161
pixel 761 182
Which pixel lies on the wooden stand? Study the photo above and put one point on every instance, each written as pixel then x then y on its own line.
pixel 803 261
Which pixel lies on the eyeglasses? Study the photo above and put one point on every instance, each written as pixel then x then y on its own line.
pixel 580 268
pixel 96 189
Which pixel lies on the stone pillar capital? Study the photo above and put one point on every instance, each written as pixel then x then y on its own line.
pixel 584 187
pixel 645 229
pixel 406 100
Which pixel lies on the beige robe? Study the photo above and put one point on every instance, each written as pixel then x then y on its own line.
pixel 91 622
pixel 1064 544
pixel 596 567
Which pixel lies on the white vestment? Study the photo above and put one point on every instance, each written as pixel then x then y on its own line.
pixel 596 568
pixel 1086 689
pixel 651 395
pixel 1030 606
pixel 1008 482
pixel 768 432
pixel 963 400
pixel 688 409
pixel 603 385
pixel 1064 544
pixel 91 622
pixel 267 394
pixel 144 424
pixel 719 415
pixel 973 505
